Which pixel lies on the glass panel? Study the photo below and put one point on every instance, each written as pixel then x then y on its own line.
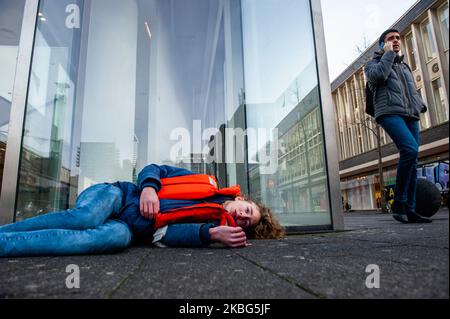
pixel 411 51
pixel 175 87
pixel 430 46
pixel 441 107
pixel 46 152
pixel 112 100
pixel 443 19
pixel 126 87
pixel 282 95
pixel 11 14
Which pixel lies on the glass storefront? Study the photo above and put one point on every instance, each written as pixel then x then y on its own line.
pixel 282 94
pixel 226 87
pixel 363 192
pixel 11 14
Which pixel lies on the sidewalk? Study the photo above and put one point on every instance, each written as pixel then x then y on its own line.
pixel 413 262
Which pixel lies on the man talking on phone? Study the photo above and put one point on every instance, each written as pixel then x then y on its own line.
pixel 397 107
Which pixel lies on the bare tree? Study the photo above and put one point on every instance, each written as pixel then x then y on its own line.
pixel 363 46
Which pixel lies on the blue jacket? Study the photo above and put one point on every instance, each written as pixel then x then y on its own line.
pixel 177 235
pixel 393 87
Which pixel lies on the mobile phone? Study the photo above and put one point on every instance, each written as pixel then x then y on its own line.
pixel 382 45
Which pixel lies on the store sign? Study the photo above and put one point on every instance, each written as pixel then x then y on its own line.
pixel 73 19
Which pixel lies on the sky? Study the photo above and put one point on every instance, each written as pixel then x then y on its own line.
pixel 348 22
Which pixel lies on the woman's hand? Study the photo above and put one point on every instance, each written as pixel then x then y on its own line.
pixel 233 237
pixel 149 203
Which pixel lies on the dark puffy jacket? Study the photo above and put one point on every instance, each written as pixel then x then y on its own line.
pixel 393 87
pixel 177 235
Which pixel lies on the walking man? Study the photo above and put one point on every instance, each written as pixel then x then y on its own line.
pixel 397 106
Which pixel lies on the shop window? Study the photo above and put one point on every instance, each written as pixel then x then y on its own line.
pixel 440 104
pixel 430 45
pixel 443 22
pixel 411 52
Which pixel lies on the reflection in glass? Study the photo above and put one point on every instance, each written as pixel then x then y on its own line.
pixel 282 93
pixel 430 45
pixel 176 79
pixel 107 143
pixel 11 13
pixel 44 175
pixel 411 51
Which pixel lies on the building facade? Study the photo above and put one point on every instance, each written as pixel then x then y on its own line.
pixel 425 32
pixel 93 90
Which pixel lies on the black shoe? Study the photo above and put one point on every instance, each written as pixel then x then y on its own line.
pixel 415 218
pixel 399 212
pixel 401 218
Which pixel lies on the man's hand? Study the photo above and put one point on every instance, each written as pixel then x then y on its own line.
pixel 389 46
pixel 149 203
pixel 233 237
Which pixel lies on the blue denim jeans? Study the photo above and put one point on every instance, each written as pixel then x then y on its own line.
pixel 89 228
pixel 405 134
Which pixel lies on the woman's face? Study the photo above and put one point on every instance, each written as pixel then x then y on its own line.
pixel 245 213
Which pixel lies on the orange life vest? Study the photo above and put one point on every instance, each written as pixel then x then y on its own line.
pixel 194 187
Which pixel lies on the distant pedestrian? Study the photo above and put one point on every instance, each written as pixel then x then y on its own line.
pixel 398 106
pixel 348 207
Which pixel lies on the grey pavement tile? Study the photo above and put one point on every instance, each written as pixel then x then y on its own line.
pixel 345 276
pixel 420 253
pixel 198 274
pixel 46 277
pixel 414 261
pixel 360 220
